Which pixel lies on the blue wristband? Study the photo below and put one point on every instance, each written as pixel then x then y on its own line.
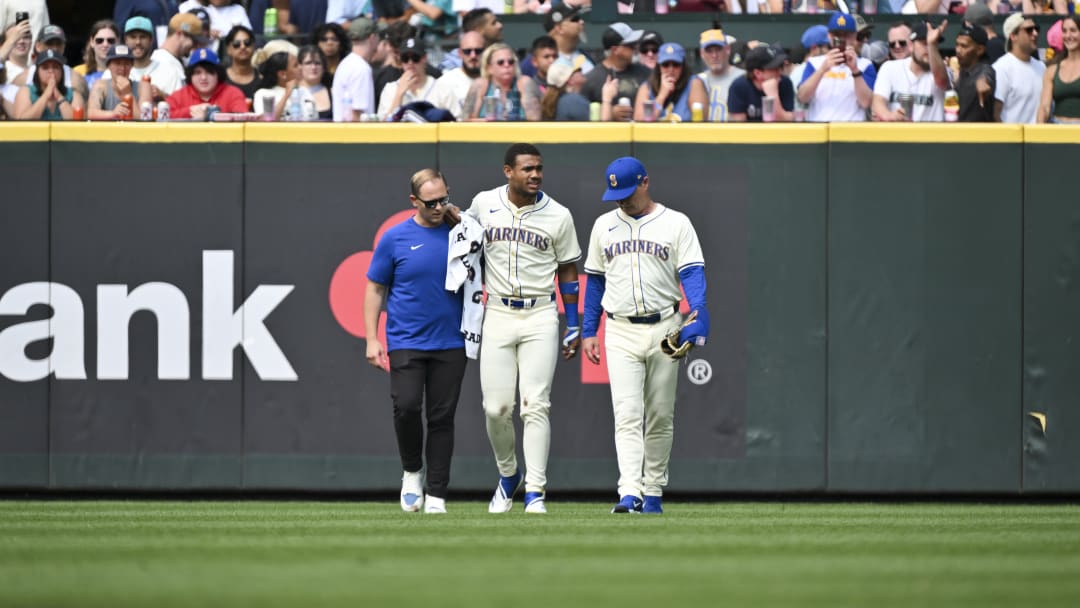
pixel 571 288
pixel 572 319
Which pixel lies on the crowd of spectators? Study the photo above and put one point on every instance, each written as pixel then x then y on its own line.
pixel 375 60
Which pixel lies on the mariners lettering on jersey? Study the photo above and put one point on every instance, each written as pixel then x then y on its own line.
pixel 637 246
pixel 520 235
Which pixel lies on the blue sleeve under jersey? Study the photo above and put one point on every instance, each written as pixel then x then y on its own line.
pixel 693 283
pixel 594 294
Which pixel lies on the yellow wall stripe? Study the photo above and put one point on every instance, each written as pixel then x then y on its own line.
pixel 730 133
pixel 540 133
pixel 338 133
pixel 535 132
pixel 1052 134
pixel 934 133
pixel 24 131
pixel 149 132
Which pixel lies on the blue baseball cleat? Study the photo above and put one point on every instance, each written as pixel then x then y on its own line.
pixel 628 504
pixel 534 502
pixel 652 505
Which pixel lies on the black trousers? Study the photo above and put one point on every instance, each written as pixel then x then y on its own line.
pixel 436 374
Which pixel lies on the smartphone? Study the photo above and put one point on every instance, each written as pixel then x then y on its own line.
pixel 839 43
pixel 22 16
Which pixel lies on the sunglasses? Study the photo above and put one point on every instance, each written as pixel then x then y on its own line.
pixel 862 37
pixel 898 44
pixel 504 62
pixel 1031 29
pixel 239 43
pixel 104 40
pixel 671 64
pixel 444 201
pixel 649 50
pixel 466 51
pixel 410 59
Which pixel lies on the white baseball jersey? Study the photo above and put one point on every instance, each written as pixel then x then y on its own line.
pixel 641 259
pixel 523 246
pixel 895 77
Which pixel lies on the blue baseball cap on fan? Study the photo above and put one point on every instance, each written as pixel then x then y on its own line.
pixel 842 22
pixel 671 51
pixel 623 176
pixel 203 56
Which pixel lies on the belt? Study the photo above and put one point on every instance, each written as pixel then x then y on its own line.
pixel 652 319
pixel 525 303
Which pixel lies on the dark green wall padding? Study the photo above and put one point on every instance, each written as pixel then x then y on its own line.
pixel 890 316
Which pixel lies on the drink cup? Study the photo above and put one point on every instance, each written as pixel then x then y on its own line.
pixel 907 104
pixel 492 107
pixel 768 109
pixel 77 113
pixel 649 109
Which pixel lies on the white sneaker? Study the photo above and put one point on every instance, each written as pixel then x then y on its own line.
pixel 412 492
pixel 434 504
pixel 503 500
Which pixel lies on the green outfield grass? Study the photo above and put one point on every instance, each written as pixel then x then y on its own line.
pixel 148 553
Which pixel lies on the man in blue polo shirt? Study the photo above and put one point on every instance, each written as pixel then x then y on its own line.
pixel 425 349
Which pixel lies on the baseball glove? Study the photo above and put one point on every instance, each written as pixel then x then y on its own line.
pixel 671 346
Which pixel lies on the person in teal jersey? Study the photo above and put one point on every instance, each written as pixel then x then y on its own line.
pixel 46 97
pixel 425 349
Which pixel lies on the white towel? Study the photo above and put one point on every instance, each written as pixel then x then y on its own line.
pixel 463 268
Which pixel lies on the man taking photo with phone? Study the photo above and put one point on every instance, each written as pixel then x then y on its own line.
pixel 839 85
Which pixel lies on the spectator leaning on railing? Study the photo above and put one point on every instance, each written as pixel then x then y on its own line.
pixel 206 87
pixel 711 87
pixel 919 77
pixel 118 97
pixel 46 96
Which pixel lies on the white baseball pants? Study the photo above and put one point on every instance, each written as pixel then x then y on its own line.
pixel 519 343
pixel 643 381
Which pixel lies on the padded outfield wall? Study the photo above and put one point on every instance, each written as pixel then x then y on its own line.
pixel 894 307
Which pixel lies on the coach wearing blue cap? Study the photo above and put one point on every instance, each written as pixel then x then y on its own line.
pixel 640 254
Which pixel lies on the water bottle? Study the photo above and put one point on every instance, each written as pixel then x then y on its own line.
pixel 295 107
pixel 347 113
pixel 311 113
pixel 513 102
pixel 270 23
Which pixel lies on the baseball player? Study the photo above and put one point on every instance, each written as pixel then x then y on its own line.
pixel 638 255
pixel 426 348
pixel 529 239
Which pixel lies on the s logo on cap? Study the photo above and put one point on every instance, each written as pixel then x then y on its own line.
pixel 614 181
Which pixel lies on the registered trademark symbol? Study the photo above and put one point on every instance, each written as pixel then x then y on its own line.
pixel 699 371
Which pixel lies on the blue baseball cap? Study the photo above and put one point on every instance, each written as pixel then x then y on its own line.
pixel 842 22
pixel 203 56
pixel 138 24
pixel 623 176
pixel 815 35
pixel 671 51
